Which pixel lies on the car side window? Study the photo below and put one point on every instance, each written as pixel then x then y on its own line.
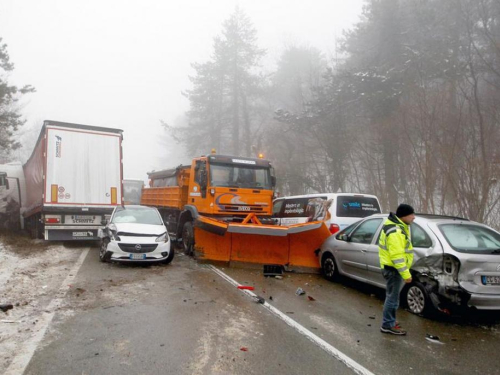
pixel 418 236
pixel 277 207
pixel 347 230
pixel 365 232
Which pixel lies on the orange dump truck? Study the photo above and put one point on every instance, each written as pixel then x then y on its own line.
pixel 220 207
pixel 226 188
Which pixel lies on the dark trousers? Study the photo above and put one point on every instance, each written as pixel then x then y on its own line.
pixel 395 284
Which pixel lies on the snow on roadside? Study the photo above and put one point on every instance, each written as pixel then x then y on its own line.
pixel 30 277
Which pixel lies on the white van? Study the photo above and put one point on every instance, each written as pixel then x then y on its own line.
pixel 346 208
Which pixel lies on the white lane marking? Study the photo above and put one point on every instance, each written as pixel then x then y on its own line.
pixel 348 361
pixel 25 352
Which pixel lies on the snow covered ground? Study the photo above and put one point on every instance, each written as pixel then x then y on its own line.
pixel 31 277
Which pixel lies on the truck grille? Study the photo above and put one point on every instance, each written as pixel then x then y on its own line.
pixel 134 248
pixel 242 209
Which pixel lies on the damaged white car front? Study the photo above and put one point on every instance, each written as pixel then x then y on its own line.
pixel 135 234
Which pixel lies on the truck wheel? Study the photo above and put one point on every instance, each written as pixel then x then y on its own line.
pixel 104 254
pixel 40 229
pixel 34 227
pixel 188 238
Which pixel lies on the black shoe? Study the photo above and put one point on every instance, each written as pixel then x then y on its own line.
pixel 393 331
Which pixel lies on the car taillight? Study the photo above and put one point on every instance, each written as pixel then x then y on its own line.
pixel 334 228
pixel 52 220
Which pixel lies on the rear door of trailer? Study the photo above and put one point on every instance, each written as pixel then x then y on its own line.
pixel 83 168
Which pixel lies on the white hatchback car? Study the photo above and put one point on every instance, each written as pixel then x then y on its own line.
pixel 135 234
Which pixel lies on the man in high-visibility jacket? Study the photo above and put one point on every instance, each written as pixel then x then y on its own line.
pixel 396 257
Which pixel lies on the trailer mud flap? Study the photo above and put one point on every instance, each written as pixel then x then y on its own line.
pixel 71 234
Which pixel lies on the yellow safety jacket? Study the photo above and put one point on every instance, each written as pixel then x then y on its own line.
pixel 394 246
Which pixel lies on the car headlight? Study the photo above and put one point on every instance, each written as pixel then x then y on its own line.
pixel 162 238
pixel 113 232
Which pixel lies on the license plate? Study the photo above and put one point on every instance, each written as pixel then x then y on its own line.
pixel 82 219
pixel 137 256
pixel 491 280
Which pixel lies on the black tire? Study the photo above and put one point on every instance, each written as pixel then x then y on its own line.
pixel 104 254
pixel 417 299
pixel 28 226
pixel 188 238
pixel 40 228
pixel 32 228
pixel 170 255
pixel 329 267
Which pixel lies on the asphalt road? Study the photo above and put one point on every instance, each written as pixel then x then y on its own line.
pixel 185 318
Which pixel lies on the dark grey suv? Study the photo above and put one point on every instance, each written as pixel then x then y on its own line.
pixel 456 261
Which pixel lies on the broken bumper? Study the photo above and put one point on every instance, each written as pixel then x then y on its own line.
pixel 160 253
pixel 485 301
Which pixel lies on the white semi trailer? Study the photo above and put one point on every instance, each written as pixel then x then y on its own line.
pixel 73 179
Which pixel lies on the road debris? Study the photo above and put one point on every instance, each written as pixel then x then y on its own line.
pixel 433 339
pixel 300 292
pixel 244 349
pixel 310 298
pixel 260 300
pixel 246 287
pixel 6 307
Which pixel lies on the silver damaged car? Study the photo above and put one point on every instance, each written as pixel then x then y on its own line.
pixel 456 261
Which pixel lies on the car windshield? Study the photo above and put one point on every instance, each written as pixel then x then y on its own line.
pixel 141 215
pixel 240 176
pixel 471 238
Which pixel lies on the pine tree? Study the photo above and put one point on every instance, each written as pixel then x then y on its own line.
pixel 225 92
pixel 10 116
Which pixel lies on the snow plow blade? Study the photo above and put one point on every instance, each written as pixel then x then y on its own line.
pixel 294 247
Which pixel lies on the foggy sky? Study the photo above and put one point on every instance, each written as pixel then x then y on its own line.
pixel 124 64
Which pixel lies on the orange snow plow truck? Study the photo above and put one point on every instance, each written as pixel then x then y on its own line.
pixel 220 209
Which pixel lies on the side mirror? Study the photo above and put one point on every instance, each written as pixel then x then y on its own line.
pixel 344 237
pixel 273 181
pixel 104 222
pixel 7 184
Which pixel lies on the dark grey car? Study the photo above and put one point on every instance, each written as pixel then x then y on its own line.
pixel 456 261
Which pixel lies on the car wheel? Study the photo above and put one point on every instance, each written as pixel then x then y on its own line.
pixel 104 254
pixel 417 299
pixel 170 255
pixel 188 238
pixel 329 267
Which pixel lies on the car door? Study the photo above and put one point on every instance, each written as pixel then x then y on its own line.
pixel 373 260
pixel 353 254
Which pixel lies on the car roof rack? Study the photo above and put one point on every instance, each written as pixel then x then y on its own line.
pixel 436 216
